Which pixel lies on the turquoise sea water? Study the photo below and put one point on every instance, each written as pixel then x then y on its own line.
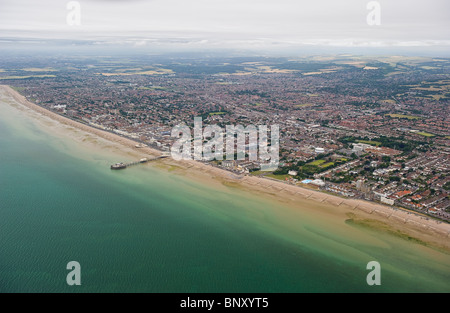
pixel 147 230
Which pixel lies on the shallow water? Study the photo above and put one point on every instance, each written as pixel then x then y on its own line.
pixel 150 230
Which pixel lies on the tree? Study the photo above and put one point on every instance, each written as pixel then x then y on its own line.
pixel 394 178
pixel 447 186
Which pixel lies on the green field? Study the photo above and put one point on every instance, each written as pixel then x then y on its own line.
pixel 409 117
pixel 327 165
pixel 280 177
pixel 257 173
pixel 370 142
pixel 320 163
pixel 438 97
pixel 217 113
pixel 425 134
pixel 25 77
pixel 316 162
pixel 36 69
pixel 152 88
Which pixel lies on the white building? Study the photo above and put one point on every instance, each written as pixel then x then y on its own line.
pixel 360 147
pixel 318 182
pixel 319 150
pixel 387 201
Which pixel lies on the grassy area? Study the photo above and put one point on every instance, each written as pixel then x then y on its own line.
pixel 429 67
pixel 316 162
pixel 431 88
pixel 152 88
pixel 425 134
pixel 370 142
pixel 327 165
pixel 257 173
pixel 303 105
pixel 24 77
pixel 312 73
pixel 217 113
pixel 409 117
pixel 18 89
pixel 438 97
pixel 280 177
pixel 320 163
pixel 36 69
pixel 156 71
pixel 394 73
pixel 270 69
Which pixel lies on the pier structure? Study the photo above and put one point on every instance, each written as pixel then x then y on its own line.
pixel 121 165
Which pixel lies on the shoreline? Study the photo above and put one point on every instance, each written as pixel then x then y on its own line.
pixel 70 122
pixel 399 220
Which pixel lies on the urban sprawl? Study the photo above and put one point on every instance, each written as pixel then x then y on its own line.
pixel 369 128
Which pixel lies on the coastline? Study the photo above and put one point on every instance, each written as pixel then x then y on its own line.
pixel 403 222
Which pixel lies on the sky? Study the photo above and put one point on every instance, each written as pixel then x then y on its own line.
pixel 230 23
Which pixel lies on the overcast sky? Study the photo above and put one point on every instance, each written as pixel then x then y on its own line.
pixel 231 23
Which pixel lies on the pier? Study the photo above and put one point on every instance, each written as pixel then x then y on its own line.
pixel 120 166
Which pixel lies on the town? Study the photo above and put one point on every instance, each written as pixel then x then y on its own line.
pixel 370 128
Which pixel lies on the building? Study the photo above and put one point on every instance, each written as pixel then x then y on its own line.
pixel 318 182
pixel 319 150
pixel 387 201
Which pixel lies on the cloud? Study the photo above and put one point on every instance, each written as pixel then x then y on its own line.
pixel 248 22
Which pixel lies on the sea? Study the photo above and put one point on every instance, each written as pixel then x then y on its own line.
pixel 151 229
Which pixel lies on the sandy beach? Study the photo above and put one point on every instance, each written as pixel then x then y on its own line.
pixel 366 214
